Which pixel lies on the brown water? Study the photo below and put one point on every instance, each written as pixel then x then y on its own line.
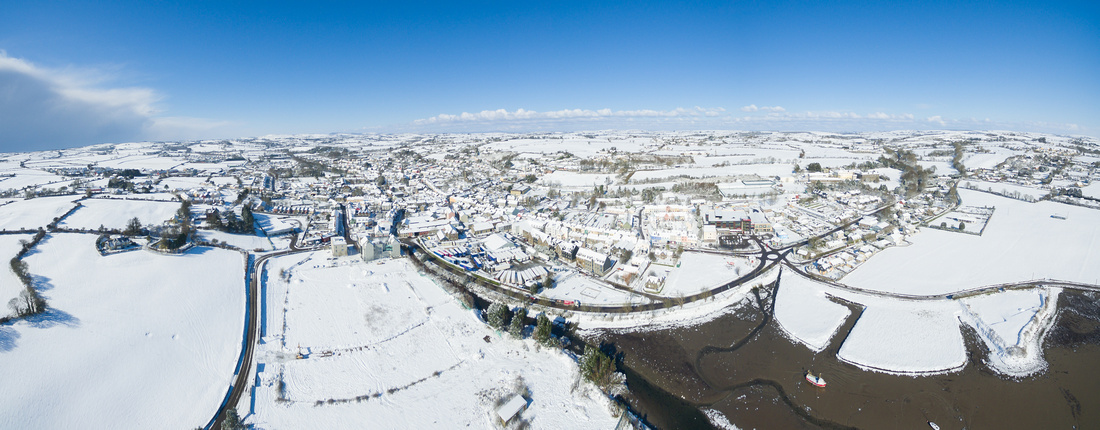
pixel 760 384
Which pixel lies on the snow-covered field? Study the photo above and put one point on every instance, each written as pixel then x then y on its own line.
pixel 906 337
pixel 115 213
pixel 1021 242
pixel 987 160
pixel 131 340
pixel 580 147
pixel 243 241
pixel 921 337
pixel 943 168
pixel 1004 188
pixel 404 354
pixel 766 170
pixel 805 313
pixel 1092 190
pixel 578 286
pixel 1012 325
pixel 577 180
pixel 142 162
pixel 34 213
pixel 183 183
pixel 31 177
pixel 273 223
pixel 699 271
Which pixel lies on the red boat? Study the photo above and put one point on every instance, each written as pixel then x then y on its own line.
pixel 815 379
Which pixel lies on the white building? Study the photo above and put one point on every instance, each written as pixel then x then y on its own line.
pixel 339 247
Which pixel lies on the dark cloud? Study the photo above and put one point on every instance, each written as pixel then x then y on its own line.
pixel 37 112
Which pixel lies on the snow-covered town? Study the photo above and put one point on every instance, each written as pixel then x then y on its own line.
pixel 454 280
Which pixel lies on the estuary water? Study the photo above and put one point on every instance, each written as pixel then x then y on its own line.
pixel 742 366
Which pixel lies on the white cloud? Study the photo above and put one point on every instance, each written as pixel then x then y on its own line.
pixel 42 108
pixel 754 108
pixel 697 118
pixel 499 115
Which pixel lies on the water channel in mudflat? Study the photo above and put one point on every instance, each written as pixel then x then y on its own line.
pixel 743 366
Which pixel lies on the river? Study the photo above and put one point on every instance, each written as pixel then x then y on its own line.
pixel 744 367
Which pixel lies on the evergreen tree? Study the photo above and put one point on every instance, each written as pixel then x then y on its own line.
pixel 596 366
pixel 214 220
pixel 542 329
pixel 232 421
pixel 516 328
pixel 246 219
pixel 497 313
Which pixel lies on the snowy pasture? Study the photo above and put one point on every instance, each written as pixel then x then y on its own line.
pixel 392 349
pixel 34 213
pixel 806 314
pixel 132 339
pixel 115 213
pixel 1021 242
pixel 574 180
pixel 29 178
pixel 580 147
pixel 183 183
pixel 901 336
pixel 1092 190
pixel 1004 188
pixel 141 161
pixel 987 160
pixel 764 170
pixel 243 241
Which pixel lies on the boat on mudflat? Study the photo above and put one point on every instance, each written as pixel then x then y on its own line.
pixel 815 379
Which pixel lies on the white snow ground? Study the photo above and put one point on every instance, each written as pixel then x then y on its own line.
pixel 34 213
pixel 1012 325
pixel 115 213
pixel 131 340
pixel 411 354
pixel 243 241
pixel 1021 242
pixel 906 337
pixel 805 313
pixel 700 271
pixel 579 286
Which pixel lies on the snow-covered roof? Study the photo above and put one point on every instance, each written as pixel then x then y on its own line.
pixel 496 241
pixel 510 408
pixel 590 255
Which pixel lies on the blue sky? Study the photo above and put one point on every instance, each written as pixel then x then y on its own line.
pixel 82 73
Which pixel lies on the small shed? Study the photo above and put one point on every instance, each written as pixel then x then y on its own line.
pixel 511 408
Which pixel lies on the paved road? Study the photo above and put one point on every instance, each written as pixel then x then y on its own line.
pixel 764 264
pixel 251 330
